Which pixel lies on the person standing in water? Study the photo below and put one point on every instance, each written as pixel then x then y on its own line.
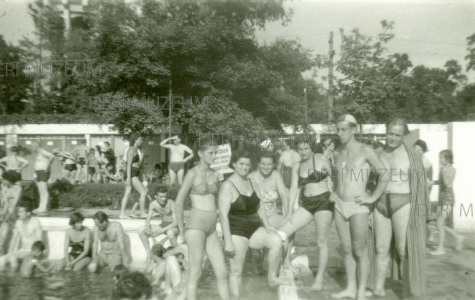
pixel 446 200
pixel 43 162
pixel 177 160
pixel 200 231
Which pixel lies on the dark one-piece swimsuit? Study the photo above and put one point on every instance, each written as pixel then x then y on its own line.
pixel 317 203
pixel 243 218
pixel 134 172
pixel 77 249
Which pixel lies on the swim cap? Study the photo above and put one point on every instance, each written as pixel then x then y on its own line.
pixel 347 118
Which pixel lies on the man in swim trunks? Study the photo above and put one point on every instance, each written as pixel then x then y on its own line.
pixel 112 238
pixel 43 162
pixel 168 226
pixel 353 161
pixel 177 163
pixel 27 231
pixel 81 152
pixel 13 162
pixel 396 213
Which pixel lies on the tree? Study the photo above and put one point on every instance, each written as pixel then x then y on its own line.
pixel 471 52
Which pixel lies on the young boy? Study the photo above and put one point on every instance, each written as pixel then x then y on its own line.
pixel 32 260
pixel 169 226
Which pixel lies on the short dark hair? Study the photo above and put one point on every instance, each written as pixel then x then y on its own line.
pixel 120 271
pixel 38 246
pixel 266 154
pixel 161 189
pixel 26 205
pixel 11 176
pixel 133 286
pixel 158 250
pixel 398 121
pixel 324 146
pixel 133 137
pixel 237 155
pixel 76 217
pixel 448 155
pixel 377 144
pixel 100 216
pixel 304 138
pixel 14 149
pixel 107 143
pixel 421 144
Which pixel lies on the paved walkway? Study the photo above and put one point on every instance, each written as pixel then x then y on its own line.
pixel 451 276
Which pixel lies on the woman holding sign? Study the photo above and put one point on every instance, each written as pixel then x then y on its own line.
pixel 241 213
pixel 177 161
pixel 200 231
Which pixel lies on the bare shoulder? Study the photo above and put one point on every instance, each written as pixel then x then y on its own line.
pixel 35 222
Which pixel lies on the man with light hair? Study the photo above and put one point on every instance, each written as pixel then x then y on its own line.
pixel 353 161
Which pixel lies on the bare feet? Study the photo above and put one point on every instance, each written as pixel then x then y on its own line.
pixel 459 243
pixel 379 292
pixel 123 217
pixel 318 284
pixel 39 211
pixel 438 252
pixel 344 294
pixel 431 239
pixel 275 281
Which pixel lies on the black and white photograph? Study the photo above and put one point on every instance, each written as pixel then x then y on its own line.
pixel 237 149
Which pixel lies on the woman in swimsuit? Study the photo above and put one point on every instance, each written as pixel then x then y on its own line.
pixel 286 160
pixel 134 159
pixel 200 231
pixel 11 193
pixel 241 213
pixel 310 177
pixel 78 238
pixel 43 162
pixel 177 161
pixel 13 162
pixel 69 164
pixel 446 201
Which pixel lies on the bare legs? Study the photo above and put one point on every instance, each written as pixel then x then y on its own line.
pixel 323 220
pixel 138 186
pixel 180 176
pixel 44 196
pixel 442 214
pixel 260 239
pixel 197 244
pixel 384 228
pixel 353 236
pixel 172 176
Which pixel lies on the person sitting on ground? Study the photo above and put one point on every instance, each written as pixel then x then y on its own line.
pixel 32 261
pixel 134 286
pixel 158 264
pixel 169 225
pixel 112 240
pixel 27 231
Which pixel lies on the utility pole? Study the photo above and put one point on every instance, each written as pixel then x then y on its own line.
pixel 170 108
pixel 330 78
pixel 305 95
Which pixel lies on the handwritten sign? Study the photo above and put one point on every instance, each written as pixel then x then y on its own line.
pixel 223 157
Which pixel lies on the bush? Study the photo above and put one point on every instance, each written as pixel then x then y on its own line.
pixel 90 195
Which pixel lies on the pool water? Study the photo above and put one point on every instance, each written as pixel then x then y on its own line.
pixel 81 285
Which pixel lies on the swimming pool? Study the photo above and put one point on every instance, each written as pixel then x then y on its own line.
pixel 81 285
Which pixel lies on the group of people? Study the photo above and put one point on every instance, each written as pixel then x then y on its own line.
pixel 321 187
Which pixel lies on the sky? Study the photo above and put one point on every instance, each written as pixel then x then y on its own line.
pixel 430 31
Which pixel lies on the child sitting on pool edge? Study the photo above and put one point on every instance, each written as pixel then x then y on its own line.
pixel 32 260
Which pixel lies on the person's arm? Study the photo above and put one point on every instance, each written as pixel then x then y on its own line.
pixel 38 264
pixel 47 155
pixel 165 141
pixel 383 174
pixel 174 223
pixel 24 163
pixel 130 157
pixel 282 193
pixel 85 252
pixel 180 200
pixel 149 217
pixel 449 176
pixel 224 205
pixel 66 247
pixel 328 168
pixel 120 239
pixel 188 150
pixel 176 250
pixel 281 161
pixel 14 243
pixel 95 243
pixel 294 190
